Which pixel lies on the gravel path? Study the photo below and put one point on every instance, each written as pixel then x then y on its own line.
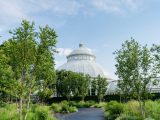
pixel 83 114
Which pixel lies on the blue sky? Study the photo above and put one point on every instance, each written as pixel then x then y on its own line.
pixel 102 25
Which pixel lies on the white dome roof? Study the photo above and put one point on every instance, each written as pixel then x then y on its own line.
pixel 83 66
pixel 82 60
pixel 82 50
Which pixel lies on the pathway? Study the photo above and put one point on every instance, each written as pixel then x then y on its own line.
pixel 83 114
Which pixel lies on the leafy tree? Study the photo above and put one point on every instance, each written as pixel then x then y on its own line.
pixel 45 65
pixel 30 57
pixel 72 84
pixel 127 65
pixel 133 68
pixel 83 83
pixel 101 87
pixel 156 60
pixel 65 86
pixel 7 83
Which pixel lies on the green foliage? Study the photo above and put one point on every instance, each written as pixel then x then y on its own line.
pixel 71 84
pixel 100 105
pixel 131 110
pixel 133 69
pixel 72 109
pixel 45 61
pixel 127 117
pixel 100 85
pixel 26 58
pixel 152 109
pixel 63 107
pixel 42 115
pixel 82 104
pixel 56 107
pixel 8 112
pixel 37 112
pixel 113 110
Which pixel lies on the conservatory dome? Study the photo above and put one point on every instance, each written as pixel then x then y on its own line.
pixel 82 60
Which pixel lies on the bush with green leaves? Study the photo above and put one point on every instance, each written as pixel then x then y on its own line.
pixel 56 107
pixel 113 110
pixel 82 104
pixel 63 107
pixel 152 109
pixel 36 112
pixel 8 112
pixel 127 117
pixel 132 108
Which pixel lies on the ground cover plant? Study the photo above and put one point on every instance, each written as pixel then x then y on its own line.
pixel 36 112
pixel 131 110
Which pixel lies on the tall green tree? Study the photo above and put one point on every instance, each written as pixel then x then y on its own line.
pixel 30 56
pixel 45 65
pixel 127 66
pixel 65 85
pixel 101 87
pixel 70 84
pixel 83 83
pixel 133 69
pixel 7 83
pixel 24 44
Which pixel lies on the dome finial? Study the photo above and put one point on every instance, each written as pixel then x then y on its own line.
pixel 81 45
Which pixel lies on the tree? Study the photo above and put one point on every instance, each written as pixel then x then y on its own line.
pixel 101 87
pixel 127 65
pixel 45 65
pixel 7 83
pixel 83 83
pixel 133 69
pixel 65 83
pixel 70 84
pixel 30 56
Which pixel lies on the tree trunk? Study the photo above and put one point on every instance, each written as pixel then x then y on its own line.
pixel 28 103
pixel 20 108
pixel 83 98
pixel 141 107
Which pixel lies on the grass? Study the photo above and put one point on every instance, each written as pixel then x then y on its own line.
pixel 8 112
pixel 63 107
pixel 131 110
pixel 36 112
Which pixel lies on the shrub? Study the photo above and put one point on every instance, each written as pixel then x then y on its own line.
pixel 113 110
pixel 65 108
pixel 56 107
pixel 34 107
pixel 2 104
pixel 73 103
pixel 89 103
pixel 132 108
pixel 73 109
pixel 127 117
pixel 82 104
pixel 152 109
pixel 64 102
pixel 8 112
pixel 100 105
pixel 42 115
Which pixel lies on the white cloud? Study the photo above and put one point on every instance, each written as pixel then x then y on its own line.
pixel 64 51
pixel 10 9
pixel 13 11
pixel 115 6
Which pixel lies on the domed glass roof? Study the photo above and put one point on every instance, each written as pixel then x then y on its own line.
pixel 82 60
pixel 82 50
